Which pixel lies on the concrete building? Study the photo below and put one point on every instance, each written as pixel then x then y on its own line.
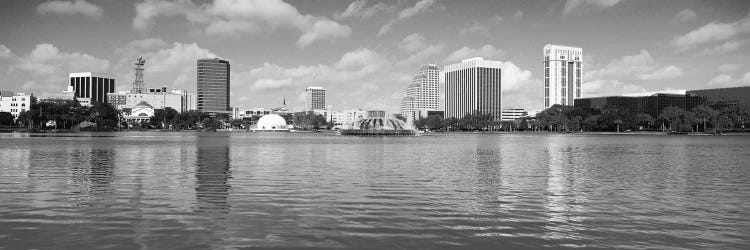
pixel 94 86
pixel 474 85
pixel 512 113
pixel 213 85
pixel 562 74
pixel 423 93
pixel 315 99
pixel 14 103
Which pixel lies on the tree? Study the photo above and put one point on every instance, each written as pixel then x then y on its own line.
pixel 704 113
pixel 643 120
pixel 164 118
pixel 677 118
pixel 6 119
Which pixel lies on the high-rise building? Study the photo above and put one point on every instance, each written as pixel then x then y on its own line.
pixel 94 86
pixel 474 85
pixel 138 83
pixel 213 85
pixel 424 91
pixel 315 98
pixel 562 74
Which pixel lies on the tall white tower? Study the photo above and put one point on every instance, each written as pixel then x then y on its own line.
pixel 562 74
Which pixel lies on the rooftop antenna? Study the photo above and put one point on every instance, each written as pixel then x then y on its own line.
pixel 138 83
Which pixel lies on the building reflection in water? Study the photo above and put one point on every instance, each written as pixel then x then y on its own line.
pixel 565 202
pixel 212 174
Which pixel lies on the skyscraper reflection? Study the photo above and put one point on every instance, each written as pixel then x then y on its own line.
pixel 212 173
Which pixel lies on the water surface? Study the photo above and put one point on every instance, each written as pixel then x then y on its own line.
pixel 155 190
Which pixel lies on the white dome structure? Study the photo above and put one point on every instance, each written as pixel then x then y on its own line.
pixel 271 122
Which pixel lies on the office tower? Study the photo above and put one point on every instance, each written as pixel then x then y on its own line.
pixel 138 83
pixel 94 86
pixel 424 91
pixel 473 86
pixel 562 74
pixel 213 85
pixel 315 98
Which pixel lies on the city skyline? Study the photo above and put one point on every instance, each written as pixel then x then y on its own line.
pixel 367 50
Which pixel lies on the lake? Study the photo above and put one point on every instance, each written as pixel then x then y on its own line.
pixel 155 190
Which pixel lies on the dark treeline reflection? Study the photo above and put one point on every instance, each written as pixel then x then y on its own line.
pixel 212 173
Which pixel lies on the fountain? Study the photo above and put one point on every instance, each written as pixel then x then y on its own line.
pixel 377 126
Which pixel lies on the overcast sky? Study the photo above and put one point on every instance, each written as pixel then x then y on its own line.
pixel 365 52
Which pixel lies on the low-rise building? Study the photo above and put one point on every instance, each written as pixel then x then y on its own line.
pixel 510 114
pixel 14 103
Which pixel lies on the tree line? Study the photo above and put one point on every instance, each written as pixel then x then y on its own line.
pixel 561 118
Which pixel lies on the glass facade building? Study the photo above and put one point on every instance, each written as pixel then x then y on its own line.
pixel 651 105
pixel 94 86
pixel 213 85
pixel 723 97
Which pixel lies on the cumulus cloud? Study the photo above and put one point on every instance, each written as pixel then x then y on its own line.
pixel 232 17
pixel 419 7
pixel 685 15
pixel 609 88
pixel 5 51
pixel 487 51
pixel 77 7
pixel 517 15
pixel 412 43
pixel 721 79
pixel 728 67
pixel 266 84
pixel 667 72
pixel 724 48
pixel 483 28
pixel 642 66
pixel 571 5
pixel 357 9
pixel 712 32
pixel 45 69
pixel 422 55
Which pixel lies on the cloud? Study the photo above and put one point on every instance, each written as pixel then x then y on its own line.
pixel 571 5
pixel 683 16
pixel 232 17
pixel 487 51
pixel 483 28
pixel 609 88
pixel 421 56
pixel 728 67
pixel 514 77
pixel 746 79
pixel 45 69
pixel 412 43
pixel 724 48
pixel 721 79
pixel 267 84
pixel 419 7
pixel 641 66
pixel 667 72
pixel 517 15
pixel 5 51
pixel 712 32
pixel 357 9
pixel 77 7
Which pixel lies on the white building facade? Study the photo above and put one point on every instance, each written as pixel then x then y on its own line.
pixel 511 113
pixel 562 74
pixel 14 103
pixel 315 98
pixel 423 93
pixel 474 85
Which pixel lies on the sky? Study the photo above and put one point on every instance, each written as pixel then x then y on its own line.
pixel 365 52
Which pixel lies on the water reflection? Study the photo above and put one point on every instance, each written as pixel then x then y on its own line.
pixel 565 202
pixel 212 174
